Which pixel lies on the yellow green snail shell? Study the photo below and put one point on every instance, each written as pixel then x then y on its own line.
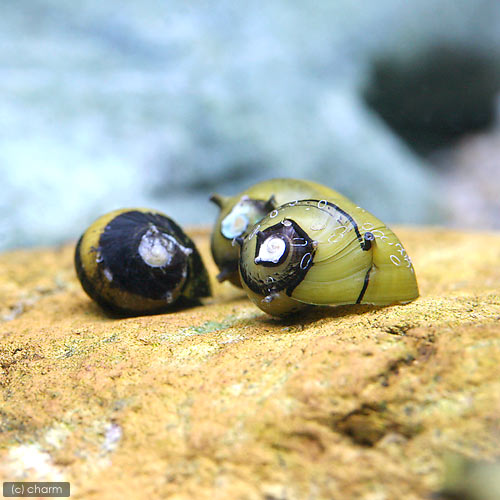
pixel 322 252
pixel 239 213
pixel 138 261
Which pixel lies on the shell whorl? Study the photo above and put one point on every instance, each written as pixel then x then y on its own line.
pixel 283 254
pixel 315 252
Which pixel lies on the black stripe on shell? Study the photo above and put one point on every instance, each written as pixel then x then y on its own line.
pixel 326 203
pixel 365 286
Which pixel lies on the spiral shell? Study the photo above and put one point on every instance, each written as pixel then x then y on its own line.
pixel 239 213
pixel 321 252
pixel 139 261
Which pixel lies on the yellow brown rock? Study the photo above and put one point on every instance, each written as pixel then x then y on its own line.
pixel 221 401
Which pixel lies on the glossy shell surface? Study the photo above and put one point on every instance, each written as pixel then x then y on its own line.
pixel 139 261
pixel 239 213
pixel 322 252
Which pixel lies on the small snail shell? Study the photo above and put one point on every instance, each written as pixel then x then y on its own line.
pixel 239 213
pixel 138 261
pixel 315 252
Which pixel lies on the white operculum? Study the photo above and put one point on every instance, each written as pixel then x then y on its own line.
pixel 271 250
pixel 157 249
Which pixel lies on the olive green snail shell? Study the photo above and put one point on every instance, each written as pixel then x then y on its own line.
pixel 239 213
pixel 321 252
pixel 138 261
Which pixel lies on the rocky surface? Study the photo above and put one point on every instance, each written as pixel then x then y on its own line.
pixel 220 401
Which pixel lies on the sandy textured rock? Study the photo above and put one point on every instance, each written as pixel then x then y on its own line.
pixel 220 401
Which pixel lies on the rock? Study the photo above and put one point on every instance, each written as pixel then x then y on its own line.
pixel 221 401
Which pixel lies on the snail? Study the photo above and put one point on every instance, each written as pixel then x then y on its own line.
pixel 323 252
pixel 239 213
pixel 138 261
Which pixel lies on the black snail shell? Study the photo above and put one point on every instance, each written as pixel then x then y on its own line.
pixel 139 261
pixel 321 252
pixel 239 213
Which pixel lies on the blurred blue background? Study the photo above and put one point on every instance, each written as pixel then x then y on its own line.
pixel 108 104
